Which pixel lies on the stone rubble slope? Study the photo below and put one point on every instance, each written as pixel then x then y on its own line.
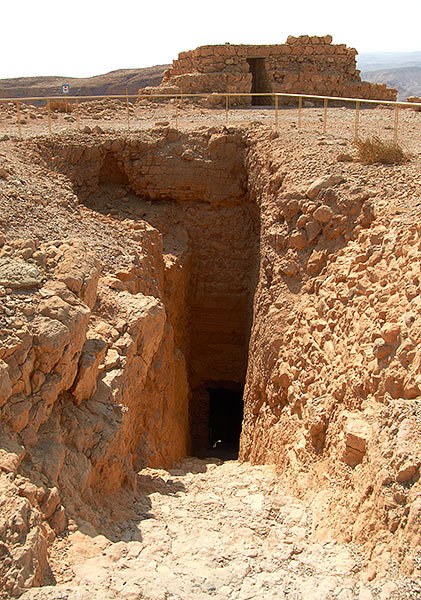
pixel 93 356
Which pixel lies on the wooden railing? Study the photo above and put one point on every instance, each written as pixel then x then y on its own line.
pixel 225 99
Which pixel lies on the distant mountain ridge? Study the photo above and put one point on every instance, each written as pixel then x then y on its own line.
pixel 401 70
pixel 115 82
pixel 375 61
pixel 407 80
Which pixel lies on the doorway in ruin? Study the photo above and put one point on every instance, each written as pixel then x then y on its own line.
pixel 260 82
pixel 216 417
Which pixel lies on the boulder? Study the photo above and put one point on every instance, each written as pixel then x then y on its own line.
pixel 357 434
pixel 18 274
pixel 323 213
pixel 322 183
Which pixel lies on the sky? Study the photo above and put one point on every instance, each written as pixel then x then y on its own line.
pixel 81 38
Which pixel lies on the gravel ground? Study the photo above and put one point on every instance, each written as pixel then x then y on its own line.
pixel 113 115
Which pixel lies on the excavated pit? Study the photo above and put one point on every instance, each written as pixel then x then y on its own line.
pixel 211 253
pixel 219 249
pixel 226 408
pixel 131 347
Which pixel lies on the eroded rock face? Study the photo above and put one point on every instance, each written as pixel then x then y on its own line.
pixel 77 386
pixel 186 244
pixel 334 359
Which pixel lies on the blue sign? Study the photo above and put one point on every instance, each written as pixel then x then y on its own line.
pixel 65 88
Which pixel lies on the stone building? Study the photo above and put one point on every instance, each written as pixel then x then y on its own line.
pixel 303 65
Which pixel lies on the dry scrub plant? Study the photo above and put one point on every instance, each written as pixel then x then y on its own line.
pixel 374 150
pixel 63 106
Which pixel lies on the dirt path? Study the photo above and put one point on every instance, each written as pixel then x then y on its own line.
pixel 213 530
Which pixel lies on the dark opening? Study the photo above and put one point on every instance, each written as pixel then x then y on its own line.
pixel 216 426
pixel 260 82
pixel 112 171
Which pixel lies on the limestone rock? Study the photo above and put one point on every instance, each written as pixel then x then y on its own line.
pixel 5 384
pixel 390 332
pixel 93 353
pixel 313 229
pixel 11 454
pixel 79 270
pixel 298 240
pixel 23 538
pixel 323 213
pixel 18 274
pixel 289 267
pixel 381 349
pixel 357 434
pixel 316 262
pixel 322 183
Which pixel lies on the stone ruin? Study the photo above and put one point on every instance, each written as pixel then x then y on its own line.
pixel 303 65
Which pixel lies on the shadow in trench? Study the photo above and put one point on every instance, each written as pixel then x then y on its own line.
pixel 216 418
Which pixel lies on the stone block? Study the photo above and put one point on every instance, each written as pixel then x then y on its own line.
pixel 357 434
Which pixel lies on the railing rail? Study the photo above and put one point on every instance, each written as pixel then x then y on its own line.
pixel 223 95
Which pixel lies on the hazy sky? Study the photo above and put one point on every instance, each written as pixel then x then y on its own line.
pixel 81 38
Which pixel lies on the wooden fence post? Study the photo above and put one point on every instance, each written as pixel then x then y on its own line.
pixel 128 110
pixel 357 119
pixel 276 112
pixel 300 106
pixel 19 124
pixel 77 115
pixel 226 107
pixel 325 116
pixel 49 115
pixel 395 127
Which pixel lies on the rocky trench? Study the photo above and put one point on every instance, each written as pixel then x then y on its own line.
pixel 201 262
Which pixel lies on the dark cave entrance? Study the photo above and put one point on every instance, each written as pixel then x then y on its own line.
pixel 112 171
pixel 260 82
pixel 216 416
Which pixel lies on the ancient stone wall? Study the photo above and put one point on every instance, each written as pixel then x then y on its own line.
pixel 303 65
